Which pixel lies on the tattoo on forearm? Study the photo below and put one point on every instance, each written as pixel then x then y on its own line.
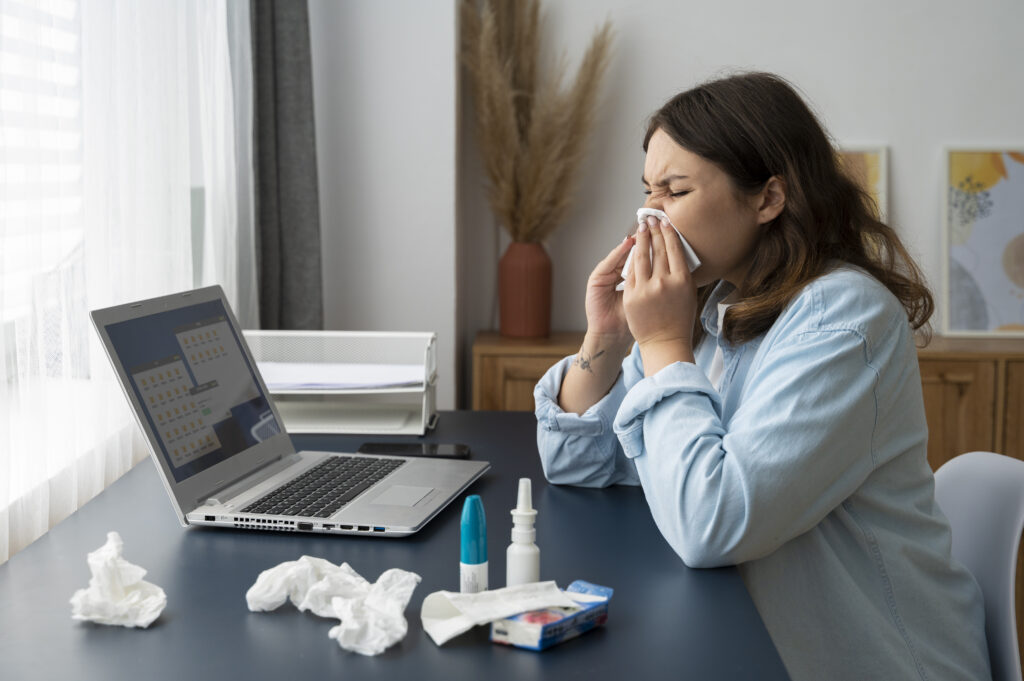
pixel 584 362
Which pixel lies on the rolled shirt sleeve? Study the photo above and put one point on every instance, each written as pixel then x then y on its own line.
pixel 582 449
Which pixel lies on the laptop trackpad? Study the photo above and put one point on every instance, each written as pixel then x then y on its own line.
pixel 402 495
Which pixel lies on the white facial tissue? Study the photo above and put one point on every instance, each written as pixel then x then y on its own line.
pixel 648 214
pixel 446 614
pixel 371 615
pixel 117 594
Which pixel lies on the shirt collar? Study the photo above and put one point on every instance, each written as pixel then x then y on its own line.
pixel 709 316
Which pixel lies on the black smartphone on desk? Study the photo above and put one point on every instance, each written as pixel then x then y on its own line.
pixel 433 449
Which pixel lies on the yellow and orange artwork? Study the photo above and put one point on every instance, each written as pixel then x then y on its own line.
pixel 985 240
pixel 867 167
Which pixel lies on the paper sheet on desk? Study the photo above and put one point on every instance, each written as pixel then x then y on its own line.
pixel 447 614
pixel 334 376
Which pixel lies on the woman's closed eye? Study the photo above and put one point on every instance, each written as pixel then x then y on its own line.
pixel 671 194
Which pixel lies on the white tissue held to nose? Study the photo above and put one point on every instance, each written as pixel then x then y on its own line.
pixel 117 594
pixel 648 214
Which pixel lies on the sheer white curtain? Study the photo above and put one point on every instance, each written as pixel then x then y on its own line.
pixel 219 33
pixel 99 157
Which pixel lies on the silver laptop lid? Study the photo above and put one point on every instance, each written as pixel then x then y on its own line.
pixel 183 364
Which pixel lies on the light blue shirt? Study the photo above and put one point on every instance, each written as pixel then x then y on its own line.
pixel 807 469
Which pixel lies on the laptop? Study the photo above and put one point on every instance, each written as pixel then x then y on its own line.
pixel 221 447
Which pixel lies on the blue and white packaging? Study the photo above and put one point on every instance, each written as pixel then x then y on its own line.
pixel 540 629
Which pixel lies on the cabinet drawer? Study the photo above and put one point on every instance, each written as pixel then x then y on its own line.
pixel 505 370
pixel 959 399
pixel 508 381
pixel 1013 423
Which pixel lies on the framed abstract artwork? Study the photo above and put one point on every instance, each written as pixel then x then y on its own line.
pixel 869 167
pixel 983 241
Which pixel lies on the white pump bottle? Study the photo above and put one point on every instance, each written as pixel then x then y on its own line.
pixel 523 556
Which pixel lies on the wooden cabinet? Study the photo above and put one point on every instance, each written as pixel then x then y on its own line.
pixel 973 390
pixel 1013 418
pixel 505 370
pixel 959 401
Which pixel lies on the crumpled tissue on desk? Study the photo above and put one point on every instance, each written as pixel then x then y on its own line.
pixel 371 615
pixel 117 593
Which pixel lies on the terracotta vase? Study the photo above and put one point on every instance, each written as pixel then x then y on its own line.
pixel 524 291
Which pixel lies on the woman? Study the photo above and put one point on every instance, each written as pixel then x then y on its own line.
pixel 771 405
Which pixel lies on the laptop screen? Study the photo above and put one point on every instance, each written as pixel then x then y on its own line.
pixel 198 390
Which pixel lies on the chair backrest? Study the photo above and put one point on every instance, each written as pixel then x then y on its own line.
pixel 982 494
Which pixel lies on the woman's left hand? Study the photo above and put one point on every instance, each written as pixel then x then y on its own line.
pixel 660 299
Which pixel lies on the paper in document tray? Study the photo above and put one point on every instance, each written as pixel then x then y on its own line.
pixel 349 381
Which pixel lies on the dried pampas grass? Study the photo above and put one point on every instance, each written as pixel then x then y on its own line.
pixel 531 132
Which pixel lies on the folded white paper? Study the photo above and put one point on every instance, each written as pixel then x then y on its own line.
pixel 371 615
pixel 447 614
pixel 117 593
pixel 335 376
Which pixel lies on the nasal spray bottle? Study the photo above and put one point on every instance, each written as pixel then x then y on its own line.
pixel 473 550
pixel 523 556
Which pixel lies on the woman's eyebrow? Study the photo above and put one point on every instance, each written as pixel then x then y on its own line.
pixel 665 181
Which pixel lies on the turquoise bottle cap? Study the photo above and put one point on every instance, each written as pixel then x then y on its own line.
pixel 474 531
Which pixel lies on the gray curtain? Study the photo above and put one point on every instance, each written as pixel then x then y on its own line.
pixel 284 162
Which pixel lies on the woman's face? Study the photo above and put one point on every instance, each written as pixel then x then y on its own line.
pixel 721 225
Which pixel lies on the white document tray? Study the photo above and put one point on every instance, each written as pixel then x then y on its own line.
pixel 405 410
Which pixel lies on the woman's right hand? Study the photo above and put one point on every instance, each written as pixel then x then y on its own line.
pixel 607 340
pixel 605 314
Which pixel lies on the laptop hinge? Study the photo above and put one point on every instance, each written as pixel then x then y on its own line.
pixel 233 488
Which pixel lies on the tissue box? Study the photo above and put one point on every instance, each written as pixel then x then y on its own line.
pixel 540 629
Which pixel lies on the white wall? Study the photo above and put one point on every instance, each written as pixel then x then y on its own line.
pixel 385 93
pixel 912 74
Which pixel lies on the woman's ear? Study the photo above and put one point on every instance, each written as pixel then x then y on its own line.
pixel 772 200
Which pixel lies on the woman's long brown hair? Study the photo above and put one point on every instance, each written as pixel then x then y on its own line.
pixel 755 126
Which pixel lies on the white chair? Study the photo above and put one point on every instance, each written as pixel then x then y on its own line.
pixel 982 494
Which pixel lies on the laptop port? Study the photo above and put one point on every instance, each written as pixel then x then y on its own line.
pixel 328 526
pixel 364 528
pixel 211 518
pixel 344 527
pixel 305 526
pixel 378 529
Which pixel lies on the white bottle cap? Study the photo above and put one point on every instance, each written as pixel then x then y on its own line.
pixel 525 500
pixel 523 514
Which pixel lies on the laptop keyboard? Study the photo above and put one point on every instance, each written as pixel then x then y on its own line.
pixel 322 490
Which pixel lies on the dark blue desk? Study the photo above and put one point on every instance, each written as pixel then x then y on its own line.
pixel 665 620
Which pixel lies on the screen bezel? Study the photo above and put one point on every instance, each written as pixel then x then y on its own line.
pixel 196 489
